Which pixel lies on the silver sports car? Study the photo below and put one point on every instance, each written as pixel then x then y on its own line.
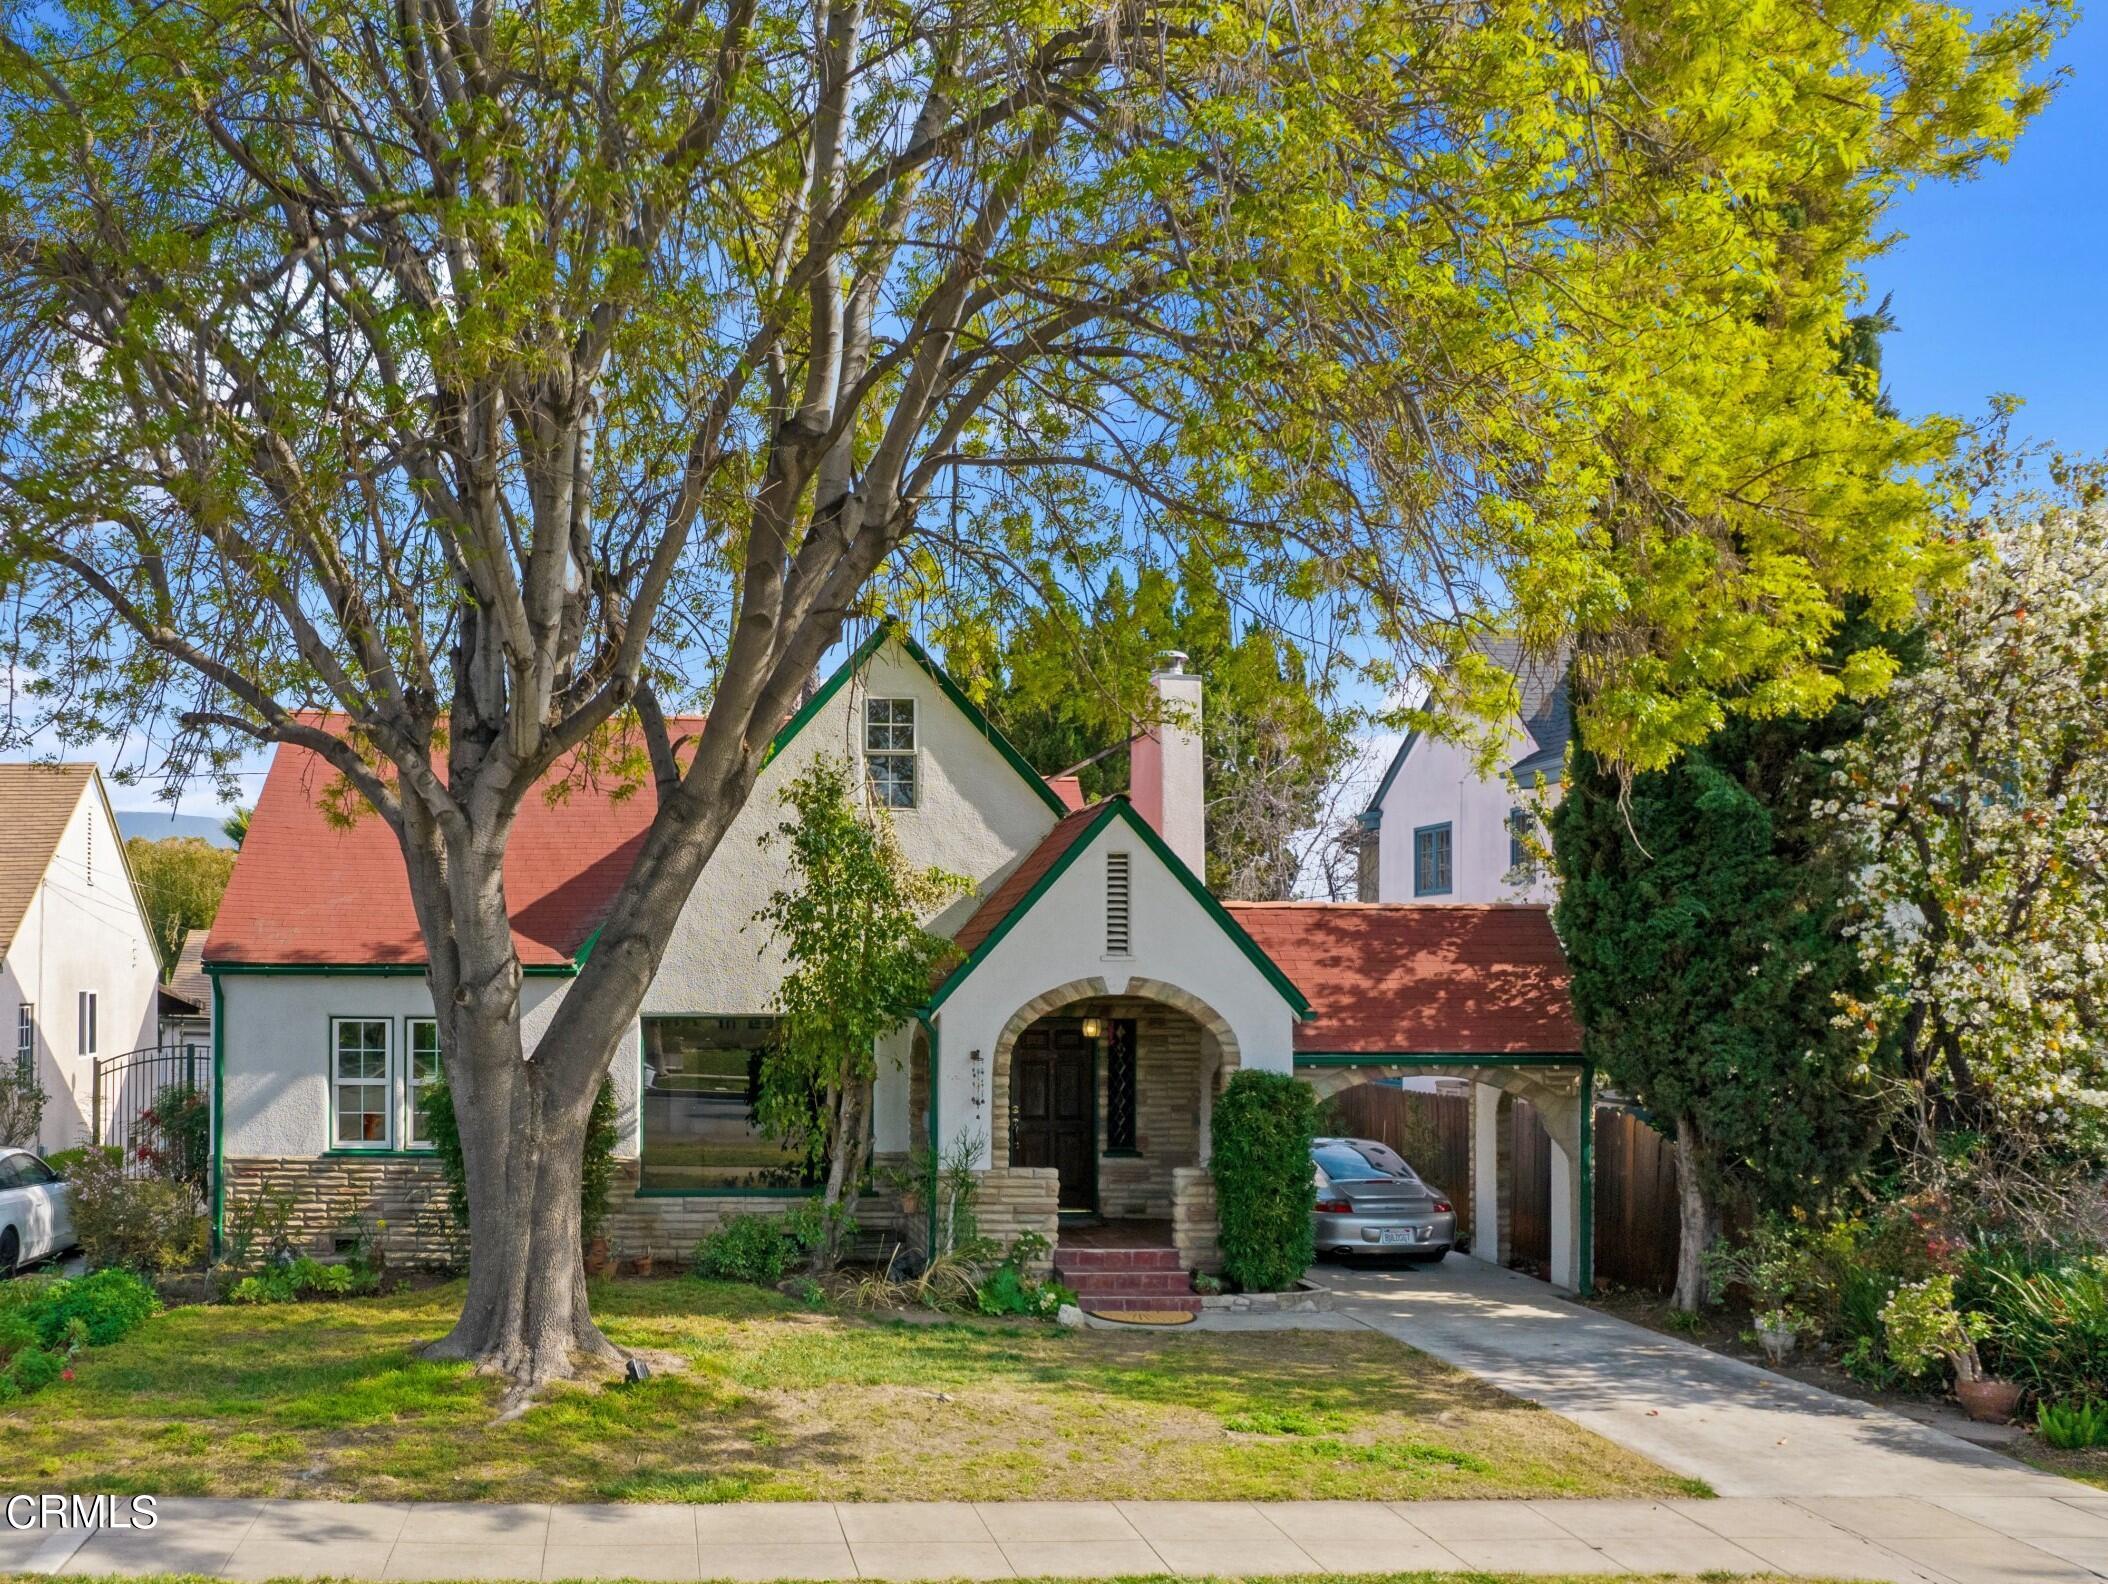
pixel 1369 1201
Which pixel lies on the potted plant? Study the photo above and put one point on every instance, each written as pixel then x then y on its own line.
pixel 599 1258
pixel 1923 1326
pixel 643 1261
pixel 1777 1330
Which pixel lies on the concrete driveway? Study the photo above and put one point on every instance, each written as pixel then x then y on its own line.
pixel 1743 1430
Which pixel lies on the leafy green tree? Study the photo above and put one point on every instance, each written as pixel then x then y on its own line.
pixel 1073 690
pixel 181 880
pixel 437 390
pixel 1708 920
pixel 849 925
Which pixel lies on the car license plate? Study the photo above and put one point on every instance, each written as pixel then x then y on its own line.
pixel 1406 1234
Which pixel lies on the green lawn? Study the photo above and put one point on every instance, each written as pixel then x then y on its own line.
pixel 330 1400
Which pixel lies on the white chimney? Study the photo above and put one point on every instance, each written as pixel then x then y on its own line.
pixel 1164 773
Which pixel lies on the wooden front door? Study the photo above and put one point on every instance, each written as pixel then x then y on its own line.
pixel 1053 1110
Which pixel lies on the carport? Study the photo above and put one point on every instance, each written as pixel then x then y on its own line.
pixel 1477 993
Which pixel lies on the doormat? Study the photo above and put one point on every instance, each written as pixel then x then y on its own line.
pixel 1148 1317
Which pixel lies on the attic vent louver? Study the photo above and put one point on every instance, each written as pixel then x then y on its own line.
pixel 1117 934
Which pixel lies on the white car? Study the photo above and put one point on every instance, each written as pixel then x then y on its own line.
pixel 36 1211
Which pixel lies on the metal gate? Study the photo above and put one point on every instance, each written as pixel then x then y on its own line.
pixel 155 1107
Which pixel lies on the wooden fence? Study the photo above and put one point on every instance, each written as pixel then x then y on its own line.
pixel 1635 1194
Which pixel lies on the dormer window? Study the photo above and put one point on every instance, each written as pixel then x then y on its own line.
pixel 889 752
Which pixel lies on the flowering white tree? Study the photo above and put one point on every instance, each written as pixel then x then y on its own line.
pixel 1979 799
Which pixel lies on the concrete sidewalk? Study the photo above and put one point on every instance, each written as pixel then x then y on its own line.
pixel 1953 1540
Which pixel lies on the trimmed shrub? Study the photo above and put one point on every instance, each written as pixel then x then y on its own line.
pixel 747 1248
pixel 1265 1186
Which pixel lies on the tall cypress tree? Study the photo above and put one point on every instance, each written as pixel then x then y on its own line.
pixel 1704 917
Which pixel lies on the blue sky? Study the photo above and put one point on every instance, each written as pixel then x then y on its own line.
pixel 2001 284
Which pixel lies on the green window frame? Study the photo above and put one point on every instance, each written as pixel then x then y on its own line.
pixel 421 1070
pixel 362 1099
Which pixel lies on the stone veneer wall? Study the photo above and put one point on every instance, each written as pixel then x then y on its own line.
pixel 1008 1202
pixel 1195 1226
pixel 403 1200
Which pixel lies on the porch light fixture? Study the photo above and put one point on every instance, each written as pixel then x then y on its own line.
pixel 977 1071
pixel 1093 1028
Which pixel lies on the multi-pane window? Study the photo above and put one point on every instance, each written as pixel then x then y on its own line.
pixel 361 1082
pixel 421 1074
pixel 87 1023
pixel 26 1040
pixel 1120 1106
pixel 1431 861
pixel 889 751
pixel 1520 828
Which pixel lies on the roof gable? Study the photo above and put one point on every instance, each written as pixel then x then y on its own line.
pixel 37 802
pixel 1544 714
pixel 1041 869
pixel 811 709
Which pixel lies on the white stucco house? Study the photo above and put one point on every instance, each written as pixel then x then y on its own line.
pixel 1439 829
pixel 79 972
pixel 1100 1001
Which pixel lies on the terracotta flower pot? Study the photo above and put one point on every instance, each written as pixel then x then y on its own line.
pixel 598 1261
pixel 1988 1401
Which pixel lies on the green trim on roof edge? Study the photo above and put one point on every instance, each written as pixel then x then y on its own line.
pixel 375 970
pixel 861 656
pixel 1119 808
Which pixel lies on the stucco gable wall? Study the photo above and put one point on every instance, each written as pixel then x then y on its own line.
pixel 1437 783
pixel 976 818
pixel 83 931
pixel 1061 941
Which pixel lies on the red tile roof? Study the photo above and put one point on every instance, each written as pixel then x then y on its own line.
pixel 308 892
pixel 1003 900
pixel 1422 978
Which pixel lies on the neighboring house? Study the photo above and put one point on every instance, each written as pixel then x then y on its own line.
pixel 186 997
pixel 79 974
pixel 1075 1051
pixel 1438 830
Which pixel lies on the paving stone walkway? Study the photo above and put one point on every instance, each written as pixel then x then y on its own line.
pixel 1951 1540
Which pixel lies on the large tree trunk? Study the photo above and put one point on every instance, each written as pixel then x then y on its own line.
pixel 522 1121
pixel 1698 1224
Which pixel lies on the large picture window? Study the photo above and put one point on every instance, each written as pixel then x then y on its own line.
pixel 421 1073
pixel 702 1078
pixel 361 1082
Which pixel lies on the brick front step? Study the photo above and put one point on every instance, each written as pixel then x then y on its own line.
pixel 1135 1259
pixel 1187 1305
pixel 1110 1284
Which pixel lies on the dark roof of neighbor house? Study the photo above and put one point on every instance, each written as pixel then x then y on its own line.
pixel 1544 711
pixel 188 978
pixel 1420 978
pixel 36 802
